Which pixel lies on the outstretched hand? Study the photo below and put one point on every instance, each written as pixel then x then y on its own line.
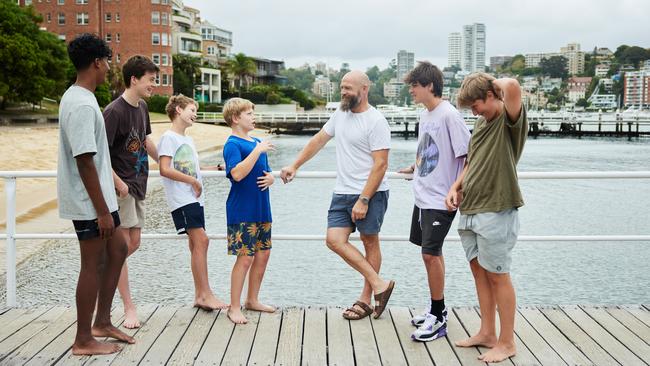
pixel 287 174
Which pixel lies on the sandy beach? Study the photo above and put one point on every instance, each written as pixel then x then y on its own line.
pixel 35 147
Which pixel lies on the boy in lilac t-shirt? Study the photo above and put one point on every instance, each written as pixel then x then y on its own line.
pixel 442 146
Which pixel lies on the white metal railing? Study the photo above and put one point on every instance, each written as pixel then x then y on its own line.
pixel 10 236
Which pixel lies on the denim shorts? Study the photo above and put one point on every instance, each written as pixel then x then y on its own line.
pixel 340 212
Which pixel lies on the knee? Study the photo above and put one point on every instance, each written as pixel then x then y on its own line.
pixel 201 243
pixel 370 242
pixel 496 279
pixel 333 244
pixel 244 261
pixel 430 260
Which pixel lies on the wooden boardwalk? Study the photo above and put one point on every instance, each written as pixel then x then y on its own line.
pixel 180 335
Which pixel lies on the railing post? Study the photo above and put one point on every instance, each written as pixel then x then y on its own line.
pixel 10 190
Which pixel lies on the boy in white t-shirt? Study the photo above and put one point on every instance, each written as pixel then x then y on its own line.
pixel 443 138
pixel 179 167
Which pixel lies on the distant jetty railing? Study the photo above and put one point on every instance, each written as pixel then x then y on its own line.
pixel 10 236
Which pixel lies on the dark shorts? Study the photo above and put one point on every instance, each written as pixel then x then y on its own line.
pixel 247 238
pixel 188 217
pixel 88 229
pixel 429 228
pixel 340 212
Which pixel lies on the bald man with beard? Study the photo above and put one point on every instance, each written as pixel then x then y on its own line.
pixel 360 196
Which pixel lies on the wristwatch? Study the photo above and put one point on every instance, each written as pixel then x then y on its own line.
pixel 365 200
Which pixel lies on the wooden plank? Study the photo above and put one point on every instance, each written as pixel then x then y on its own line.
pixel 339 341
pixel 541 350
pixel 216 343
pixel 10 314
pixel 618 330
pixel 640 313
pixel 146 336
pixel 239 348
pixel 21 320
pixel 169 338
pixel 22 335
pixel 577 336
pixel 37 343
pixel 56 349
pixel 190 345
pixel 144 313
pixel 467 356
pixel 388 344
pixel 266 339
pixel 569 353
pixel 471 321
pixel 441 350
pixel 601 336
pixel 314 344
pixel 363 339
pixel 289 344
pixel 4 309
pixel 415 352
pixel 631 322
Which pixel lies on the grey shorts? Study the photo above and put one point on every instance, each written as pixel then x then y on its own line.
pixel 490 237
pixel 340 212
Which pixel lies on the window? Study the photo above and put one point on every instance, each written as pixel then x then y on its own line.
pixel 108 37
pixel 28 2
pixel 211 50
pixel 117 17
pixel 155 17
pixel 117 37
pixel 118 58
pixel 165 39
pixel 166 79
pixel 62 37
pixel 82 2
pixel 49 18
pixel 164 18
pixel 164 2
pixel 155 38
pixel 155 1
pixel 155 58
pixel 61 19
pixel 61 2
pixel 107 17
pixel 165 59
pixel 157 79
pixel 170 40
pixel 82 18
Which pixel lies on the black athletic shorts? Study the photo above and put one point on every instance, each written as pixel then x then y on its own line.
pixel 429 228
pixel 89 229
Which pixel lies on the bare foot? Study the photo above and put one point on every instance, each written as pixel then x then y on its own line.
pixel 258 306
pixel 498 353
pixel 131 318
pixel 95 347
pixel 111 332
pixel 478 340
pixel 210 303
pixel 236 316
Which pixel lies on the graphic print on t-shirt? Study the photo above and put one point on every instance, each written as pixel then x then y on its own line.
pixel 135 146
pixel 427 156
pixel 184 160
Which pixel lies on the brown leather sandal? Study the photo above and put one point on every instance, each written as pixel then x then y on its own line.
pixel 356 313
pixel 381 299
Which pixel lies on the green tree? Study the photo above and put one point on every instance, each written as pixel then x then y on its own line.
pixel 301 79
pixel 634 55
pixel 582 102
pixel 187 74
pixel 239 67
pixel 33 63
pixel 554 66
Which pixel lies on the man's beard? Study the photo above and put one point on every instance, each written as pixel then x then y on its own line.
pixel 350 102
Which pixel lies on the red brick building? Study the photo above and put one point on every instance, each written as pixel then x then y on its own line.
pixel 129 26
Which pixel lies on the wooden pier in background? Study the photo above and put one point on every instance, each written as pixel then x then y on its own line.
pixel 182 335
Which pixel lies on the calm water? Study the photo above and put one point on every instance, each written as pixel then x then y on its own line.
pixel 301 273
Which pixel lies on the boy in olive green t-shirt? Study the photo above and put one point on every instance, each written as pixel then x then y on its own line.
pixel 487 193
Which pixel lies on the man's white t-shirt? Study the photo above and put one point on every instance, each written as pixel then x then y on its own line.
pixel 357 135
pixel 184 159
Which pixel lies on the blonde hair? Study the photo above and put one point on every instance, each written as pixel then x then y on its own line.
pixel 475 87
pixel 178 101
pixel 234 107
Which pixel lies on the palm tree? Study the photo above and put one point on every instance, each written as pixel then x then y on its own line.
pixel 240 66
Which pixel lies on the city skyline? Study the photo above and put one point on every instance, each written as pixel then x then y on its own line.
pixel 309 32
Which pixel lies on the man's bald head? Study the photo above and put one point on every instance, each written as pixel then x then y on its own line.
pixel 357 77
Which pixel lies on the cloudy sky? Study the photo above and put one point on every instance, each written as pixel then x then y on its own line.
pixel 366 33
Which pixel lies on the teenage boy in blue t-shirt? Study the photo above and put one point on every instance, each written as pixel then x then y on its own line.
pixel 248 208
